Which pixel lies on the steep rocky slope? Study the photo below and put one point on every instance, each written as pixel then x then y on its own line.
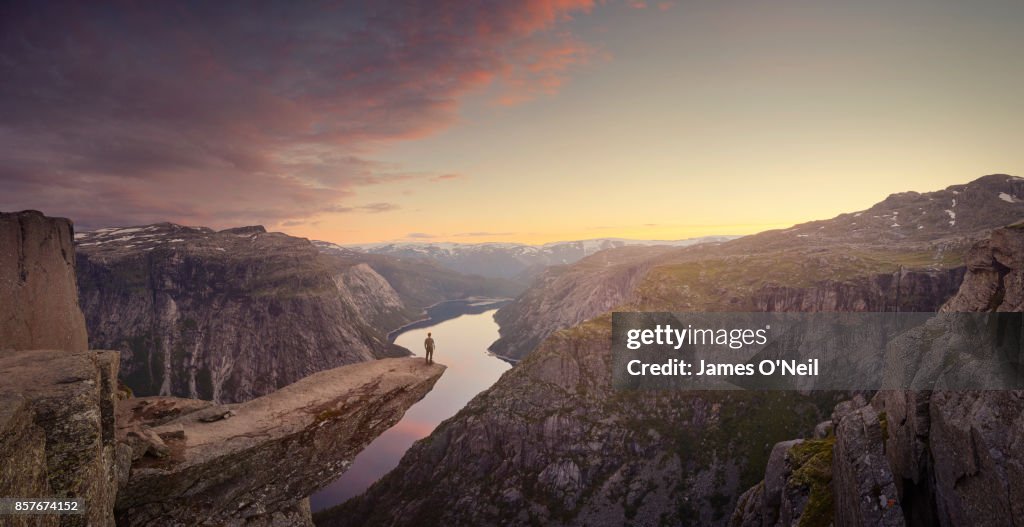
pixel 37 277
pixel 563 296
pixel 226 315
pixel 551 442
pixel 423 282
pixel 877 253
pixel 56 397
pixel 915 458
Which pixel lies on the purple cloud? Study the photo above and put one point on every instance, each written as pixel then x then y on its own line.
pixel 225 113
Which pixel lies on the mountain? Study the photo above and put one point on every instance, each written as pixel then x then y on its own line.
pixel 422 282
pixel 511 260
pixel 909 238
pixel 553 443
pixel 234 314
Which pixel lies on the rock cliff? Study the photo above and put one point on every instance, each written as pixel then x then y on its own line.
pixel 68 431
pixel 242 464
pixel 564 296
pixel 58 430
pixel 37 282
pixel 923 458
pixel 230 315
pixel 56 398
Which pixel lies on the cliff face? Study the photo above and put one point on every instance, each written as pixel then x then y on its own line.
pixel 56 405
pixel 924 458
pixel 995 277
pixel 956 455
pixel 565 296
pixel 60 406
pixel 37 284
pixel 228 315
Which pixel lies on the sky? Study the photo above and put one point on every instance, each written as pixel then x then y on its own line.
pixel 530 121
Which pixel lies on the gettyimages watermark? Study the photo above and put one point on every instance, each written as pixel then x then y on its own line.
pixel 817 351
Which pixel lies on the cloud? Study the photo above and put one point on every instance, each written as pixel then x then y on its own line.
pixel 372 208
pixel 420 236
pixel 484 234
pixel 226 113
pixel 446 177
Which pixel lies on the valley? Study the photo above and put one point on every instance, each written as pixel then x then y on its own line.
pixel 210 325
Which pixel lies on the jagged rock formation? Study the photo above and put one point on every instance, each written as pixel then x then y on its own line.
pixel 552 443
pixel 37 282
pixel 238 464
pixel 995 274
pixel 229 315
pixel 864 487
pixel 925 458
pixel 56 405
pixel 956 455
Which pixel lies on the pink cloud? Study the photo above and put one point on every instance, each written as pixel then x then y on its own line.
pixel 222 113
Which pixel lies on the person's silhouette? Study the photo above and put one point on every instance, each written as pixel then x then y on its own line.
pixel 429 346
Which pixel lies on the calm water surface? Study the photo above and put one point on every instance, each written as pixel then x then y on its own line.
pixel 461 344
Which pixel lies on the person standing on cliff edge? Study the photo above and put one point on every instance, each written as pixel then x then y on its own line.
pixel 429 346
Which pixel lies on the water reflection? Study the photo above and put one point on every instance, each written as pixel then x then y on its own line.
pixel 461 345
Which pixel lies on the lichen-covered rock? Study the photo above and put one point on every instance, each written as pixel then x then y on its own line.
pixel 776 474
pixel 259 466
pixel 749 510
pixel 39 307
pixel 796 489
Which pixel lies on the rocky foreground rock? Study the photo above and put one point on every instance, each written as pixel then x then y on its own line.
pixel 243 463
pixel 68 431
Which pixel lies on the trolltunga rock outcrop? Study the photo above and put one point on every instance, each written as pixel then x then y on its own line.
pixel 256 462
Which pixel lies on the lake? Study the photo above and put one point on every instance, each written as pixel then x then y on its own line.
pixel 461 345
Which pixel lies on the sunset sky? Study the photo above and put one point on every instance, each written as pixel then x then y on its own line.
pixel 523 121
